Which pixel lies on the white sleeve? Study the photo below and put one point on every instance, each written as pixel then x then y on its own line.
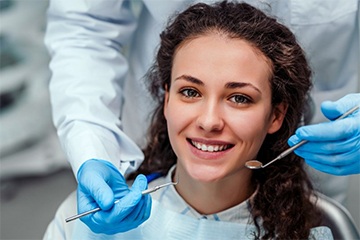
pixel 86 40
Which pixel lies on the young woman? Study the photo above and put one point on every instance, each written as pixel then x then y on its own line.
pixel 231 85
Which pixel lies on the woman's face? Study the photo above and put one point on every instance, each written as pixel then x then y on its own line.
pixel 218 108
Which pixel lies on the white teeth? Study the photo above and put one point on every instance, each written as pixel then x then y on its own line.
pixel 209 148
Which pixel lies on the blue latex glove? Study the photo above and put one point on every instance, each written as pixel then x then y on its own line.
pixel 100 184
pixel 333 147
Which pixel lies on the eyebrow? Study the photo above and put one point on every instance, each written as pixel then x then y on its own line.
pixel 229 85
pixel 234 85
pixel 190 79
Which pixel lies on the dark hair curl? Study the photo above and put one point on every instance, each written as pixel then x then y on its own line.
pixel 282 205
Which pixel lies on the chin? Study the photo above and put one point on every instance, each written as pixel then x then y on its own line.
pixel 206 174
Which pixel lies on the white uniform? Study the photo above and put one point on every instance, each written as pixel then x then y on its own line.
pixel 102 49
pixel 171 218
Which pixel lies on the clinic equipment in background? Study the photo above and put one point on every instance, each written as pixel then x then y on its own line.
pixel 255 164
pixel 29 145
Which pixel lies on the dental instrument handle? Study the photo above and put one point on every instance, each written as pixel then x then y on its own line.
pixel 293 148
pixel 286 152
pixel 147 191
pixel 69 219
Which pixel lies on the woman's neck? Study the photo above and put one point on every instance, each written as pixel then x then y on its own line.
pixel 213 197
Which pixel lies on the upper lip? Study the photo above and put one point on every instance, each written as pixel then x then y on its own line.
pixel 210 141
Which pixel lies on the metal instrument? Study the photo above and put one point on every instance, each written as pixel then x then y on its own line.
pixel 147 191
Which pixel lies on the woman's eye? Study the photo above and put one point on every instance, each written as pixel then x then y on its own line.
pixel 240 99
pixel 190 93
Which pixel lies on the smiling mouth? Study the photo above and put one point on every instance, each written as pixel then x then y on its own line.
pixel 210 147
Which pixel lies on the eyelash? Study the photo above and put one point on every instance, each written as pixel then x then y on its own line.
pixel 244 99
pixel 185 92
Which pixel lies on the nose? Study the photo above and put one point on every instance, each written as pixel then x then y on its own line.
pixel 210 118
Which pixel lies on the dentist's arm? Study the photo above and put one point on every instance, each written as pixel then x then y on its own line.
pixel 86 40
pixel 333 147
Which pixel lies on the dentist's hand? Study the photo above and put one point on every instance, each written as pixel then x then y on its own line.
pixel 333 147
pixel 100 184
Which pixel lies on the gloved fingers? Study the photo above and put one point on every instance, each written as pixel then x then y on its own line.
pixel 112 221
pixel 342 159
pixel 142 210
pixel 134 199
pixel 136 215
pixel 148 203
pixel 336 170
pixel 140 183
pixel 104 170
pixel 96 189
pixel 293 140
pixel 130 220
pixel 330 131
pixel 85 204
pixel 328 148
pixel 120 210
pixel 126 204
pixel 99 180
pixel 111 175
pixel 140 214
pixel 332 110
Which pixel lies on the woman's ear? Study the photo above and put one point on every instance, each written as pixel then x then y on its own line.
pixel 277 117
pixel 166 99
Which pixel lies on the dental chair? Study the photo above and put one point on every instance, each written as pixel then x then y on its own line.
pixel 337 218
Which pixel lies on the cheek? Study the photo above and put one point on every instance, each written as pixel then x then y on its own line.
pixel 177 115
pixel 171 122
pixel 177 112
pixel 178 118
pixel 252 126
pixel 178 123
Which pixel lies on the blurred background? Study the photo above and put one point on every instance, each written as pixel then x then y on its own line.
pixel 34 174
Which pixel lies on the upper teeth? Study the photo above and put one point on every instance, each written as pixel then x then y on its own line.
pixel 209 148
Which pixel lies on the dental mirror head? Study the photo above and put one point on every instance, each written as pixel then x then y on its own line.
pixel 253 164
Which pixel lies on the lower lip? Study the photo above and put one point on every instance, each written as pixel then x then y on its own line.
pixel 208 155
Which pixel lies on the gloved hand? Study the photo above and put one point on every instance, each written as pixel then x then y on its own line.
pixel 100 184
pixel 333 147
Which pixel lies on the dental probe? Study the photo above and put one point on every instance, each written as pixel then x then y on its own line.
pixel 147 191
pixel 255 164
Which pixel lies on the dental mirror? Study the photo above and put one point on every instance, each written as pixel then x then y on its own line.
pixel 255 164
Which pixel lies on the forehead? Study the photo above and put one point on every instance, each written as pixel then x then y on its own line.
pixel 221 55
pixel 226 37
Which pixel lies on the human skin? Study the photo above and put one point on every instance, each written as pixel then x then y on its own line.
pixel 219 101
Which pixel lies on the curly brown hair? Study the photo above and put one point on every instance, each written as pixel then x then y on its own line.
pixel 281 209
